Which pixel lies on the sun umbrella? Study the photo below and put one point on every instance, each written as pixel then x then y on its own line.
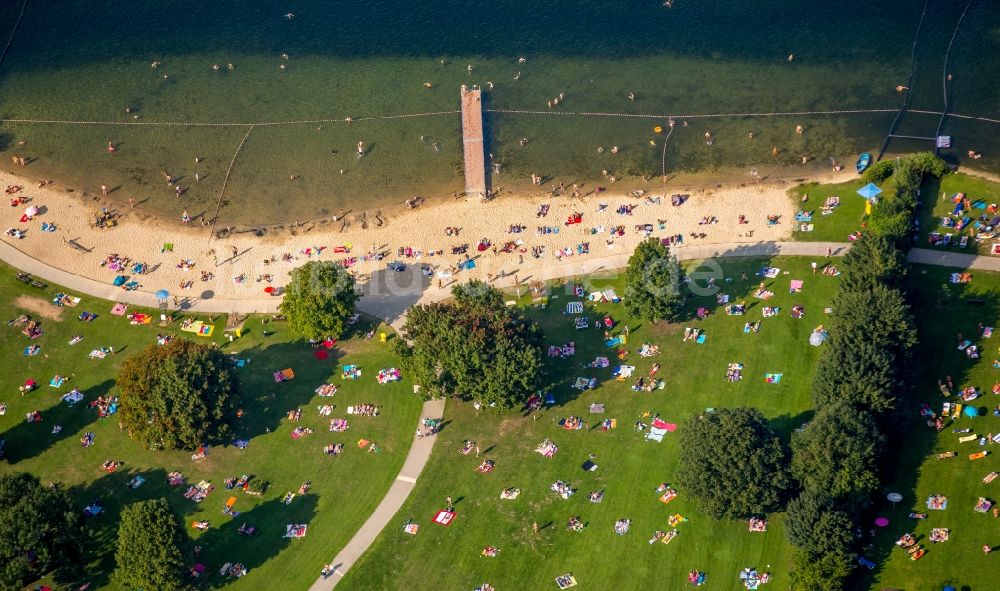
pixel 869 191
pixel 31 211
pixel 162 294
pixel 268 289
pixel 881 521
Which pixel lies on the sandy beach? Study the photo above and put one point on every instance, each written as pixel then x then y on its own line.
pixel 243 265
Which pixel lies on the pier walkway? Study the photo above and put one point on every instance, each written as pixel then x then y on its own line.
pixel 473 142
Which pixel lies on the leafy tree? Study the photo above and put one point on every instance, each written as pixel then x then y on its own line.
pixel 732 463
pixel 178 396
pixel 814 524
pixel 879 172
pixel 474 347
pixel 319 300
pixel 870 340
pixel 822 572
pixel 654 282
pixel 149 548
pixel 40 531
pixel 872 260
pixel 837 453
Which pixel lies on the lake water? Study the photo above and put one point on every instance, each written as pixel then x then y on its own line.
pixel 73 60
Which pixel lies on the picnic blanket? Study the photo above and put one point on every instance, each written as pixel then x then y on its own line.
pixel 444 517
pixel 296 530
pixel 656 434
pixel 283 375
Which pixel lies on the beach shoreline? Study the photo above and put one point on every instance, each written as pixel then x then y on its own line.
pixel 241 265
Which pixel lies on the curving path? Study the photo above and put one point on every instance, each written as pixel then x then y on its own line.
pixel 391 307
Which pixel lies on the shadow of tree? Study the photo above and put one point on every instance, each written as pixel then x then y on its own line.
pixel 940 309
pixel 26 440
pixel 270 518
pixel 112 493
pixel 271 401
pixel 388 294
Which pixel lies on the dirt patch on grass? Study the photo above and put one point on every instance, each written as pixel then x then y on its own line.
pixel 39 307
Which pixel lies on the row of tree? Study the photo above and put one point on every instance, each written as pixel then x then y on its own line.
pixel 893 216
pixel 859 376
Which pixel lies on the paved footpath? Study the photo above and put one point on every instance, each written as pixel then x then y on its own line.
pixel 420 451
pixel 392 309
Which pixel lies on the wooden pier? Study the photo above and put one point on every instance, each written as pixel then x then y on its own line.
pixel 473 142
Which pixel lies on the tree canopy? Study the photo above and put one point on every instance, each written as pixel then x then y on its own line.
pixel 654 283
pixel 178 396
pixel 149 548
pixel 872 260
pixel 732 463
pixel 870 338
pixel 40 531
pixel 473 346
pixel 319 300
pixel 814 524
pixel 837 453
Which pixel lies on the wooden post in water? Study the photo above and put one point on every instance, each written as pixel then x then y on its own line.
pixel 473 142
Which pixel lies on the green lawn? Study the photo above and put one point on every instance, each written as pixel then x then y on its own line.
pixel 943 311
pixel 937 205
pixel 837 226
pixel 345 489
pixel 629 467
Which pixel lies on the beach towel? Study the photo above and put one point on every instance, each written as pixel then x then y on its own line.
pixel 411 528
pixel 967 438
pixel 119 309
pixel 795 286
pixel 770 272
pixel 772 378
pixel 574 307
pixel 596 408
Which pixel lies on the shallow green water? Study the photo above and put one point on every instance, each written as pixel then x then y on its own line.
pixel 76 60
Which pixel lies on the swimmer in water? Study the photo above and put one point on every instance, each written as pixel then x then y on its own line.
pixel 215 67
pixel 361 149
pixel 281 67
pixel 791 57
pixel 155 64
pixel 111 147
pixel 230 67
pixel 469 69
pixel 799 129
pixel 284 56
pixel 490 84
pixel 631 96
pixel 517 76
pixel 289 16
pixel 524 141
pixel 522 59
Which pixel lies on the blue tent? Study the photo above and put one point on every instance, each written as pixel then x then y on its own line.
pixel 971 411
pixel 869 191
